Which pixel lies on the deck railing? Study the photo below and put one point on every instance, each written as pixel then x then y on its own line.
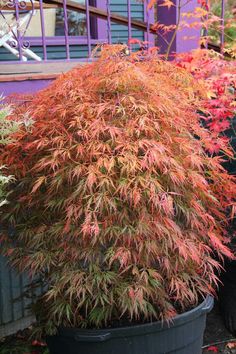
pixel 30 28
pixel 26 25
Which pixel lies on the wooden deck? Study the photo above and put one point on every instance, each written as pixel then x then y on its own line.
pixel 35 71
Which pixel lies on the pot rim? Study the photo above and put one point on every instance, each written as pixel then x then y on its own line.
pixel 133 330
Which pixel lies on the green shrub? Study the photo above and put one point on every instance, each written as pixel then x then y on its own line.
pixel 7 127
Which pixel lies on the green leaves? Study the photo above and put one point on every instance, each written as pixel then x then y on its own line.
pixel 7 128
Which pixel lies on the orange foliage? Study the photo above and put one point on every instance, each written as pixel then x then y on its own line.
pixel 116 202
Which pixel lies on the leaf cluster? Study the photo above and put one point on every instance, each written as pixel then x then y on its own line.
pixel 7 128
pixel 218 76
pixel 229 23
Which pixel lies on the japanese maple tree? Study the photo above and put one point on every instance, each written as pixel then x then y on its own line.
pixel 116 204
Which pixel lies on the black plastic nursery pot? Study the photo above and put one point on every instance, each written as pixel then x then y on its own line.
pixel 230 164
pixel 183 335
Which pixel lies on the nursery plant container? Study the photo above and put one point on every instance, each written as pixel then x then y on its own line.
pixel 183 335
pixel 230 164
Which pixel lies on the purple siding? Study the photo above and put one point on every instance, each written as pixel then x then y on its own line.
pixel 169 17
pixel 102 24
pixel 192 34
pixel 27 86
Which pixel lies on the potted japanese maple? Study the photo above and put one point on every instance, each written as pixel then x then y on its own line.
pixel 118 208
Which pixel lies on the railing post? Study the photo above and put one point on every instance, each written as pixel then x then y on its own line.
pixel 101 24
pixel 18 34
pixel 148 22
pixel 129 21
pixel 222 22
pixel 66 32
pixel 108 21
pixel 149 18
pixel 88 28
pixel 43 29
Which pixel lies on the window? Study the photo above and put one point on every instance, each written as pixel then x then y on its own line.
pixel 76 22
pixel 54 23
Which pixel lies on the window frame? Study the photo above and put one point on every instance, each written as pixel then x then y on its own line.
pixel 73 40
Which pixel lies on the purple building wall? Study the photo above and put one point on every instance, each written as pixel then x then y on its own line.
pixel 192 34
pixel 27 86
pixel 170 16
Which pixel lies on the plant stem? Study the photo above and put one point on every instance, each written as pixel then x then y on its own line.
pixel 220 342
pixel 176 30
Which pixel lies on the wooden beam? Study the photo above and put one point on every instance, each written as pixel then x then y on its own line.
pixel 28 7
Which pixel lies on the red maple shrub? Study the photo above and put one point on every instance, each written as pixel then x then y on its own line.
pixel 219 77
pixel 116 205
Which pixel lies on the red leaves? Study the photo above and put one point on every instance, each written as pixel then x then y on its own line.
pixel 218 77
pixel 217 244
pixel 134 41
pixel 204 3
pixel 38 183
pixel 213 349
pixel 131 293
pixel 231 345
pixel 123 256
pixel 37 343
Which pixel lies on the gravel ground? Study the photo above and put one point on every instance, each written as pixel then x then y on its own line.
pixel 216 333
